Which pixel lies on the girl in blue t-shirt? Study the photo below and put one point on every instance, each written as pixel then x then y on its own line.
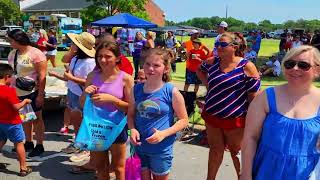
pixel 151 116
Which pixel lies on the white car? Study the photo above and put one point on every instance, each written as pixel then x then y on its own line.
pixel 5 49
pixel 5 29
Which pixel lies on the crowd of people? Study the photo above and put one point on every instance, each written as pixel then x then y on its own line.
pixel 277 136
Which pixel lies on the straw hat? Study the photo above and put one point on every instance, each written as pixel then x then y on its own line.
pixel 85 41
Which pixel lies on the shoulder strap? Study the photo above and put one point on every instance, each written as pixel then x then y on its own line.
pixel 15 62
pixel 74 65
pixel 271 99
pixel 72 71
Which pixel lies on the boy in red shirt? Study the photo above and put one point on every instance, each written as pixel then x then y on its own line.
pixel 195 57
pixel 10 122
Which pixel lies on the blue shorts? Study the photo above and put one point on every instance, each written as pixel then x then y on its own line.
pixel 158 164
pixel 13 132
pixel 33 96
pixel 73 101
pixel 192 78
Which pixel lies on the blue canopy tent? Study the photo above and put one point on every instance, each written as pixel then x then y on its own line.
pixel 124 20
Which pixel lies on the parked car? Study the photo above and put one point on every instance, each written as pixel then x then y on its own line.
pixel 208 33
pixel 5 49
pixel 5 29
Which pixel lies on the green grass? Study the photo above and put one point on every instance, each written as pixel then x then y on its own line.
pixel 268 48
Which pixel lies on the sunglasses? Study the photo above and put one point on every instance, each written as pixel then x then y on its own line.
pixel 289 64
pixel 221 44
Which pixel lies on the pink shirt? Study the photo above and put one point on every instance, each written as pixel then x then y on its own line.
pixel 25 65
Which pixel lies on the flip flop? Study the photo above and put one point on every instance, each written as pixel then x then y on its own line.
pixel 81 170
pixel 25 172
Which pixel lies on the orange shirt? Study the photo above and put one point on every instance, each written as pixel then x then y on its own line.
pixel 189 45
pixel 193 64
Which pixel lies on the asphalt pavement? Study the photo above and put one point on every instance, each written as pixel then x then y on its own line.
pixel 190 158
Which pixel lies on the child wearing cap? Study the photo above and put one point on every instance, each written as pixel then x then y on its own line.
pixel 195 57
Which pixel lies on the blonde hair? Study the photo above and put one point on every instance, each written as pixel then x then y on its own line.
pixel 44 32
pixel 151 34
pixel 301 49
pixel 166 57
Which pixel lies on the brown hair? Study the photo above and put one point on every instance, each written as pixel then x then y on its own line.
pixel 166 56
pixel 111 46
pixel 238 41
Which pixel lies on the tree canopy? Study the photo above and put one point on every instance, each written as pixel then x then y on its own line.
pixel 239 25
pixel 103 8
pixel 9 11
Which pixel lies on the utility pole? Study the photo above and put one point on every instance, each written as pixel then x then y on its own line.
pixel 226 11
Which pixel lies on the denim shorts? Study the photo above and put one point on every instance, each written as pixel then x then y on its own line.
pixel 33 96
pixel 73 101
pixel 13 132
pixel 158 164
pixel 52 53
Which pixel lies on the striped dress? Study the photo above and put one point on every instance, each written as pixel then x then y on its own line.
pixel 227 95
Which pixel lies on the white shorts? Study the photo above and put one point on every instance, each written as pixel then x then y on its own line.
pixel 52 53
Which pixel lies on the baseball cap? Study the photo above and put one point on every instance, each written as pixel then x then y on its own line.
pixel 193 31
pixel 223 24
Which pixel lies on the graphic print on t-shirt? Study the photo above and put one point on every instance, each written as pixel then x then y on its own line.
pixel 149 108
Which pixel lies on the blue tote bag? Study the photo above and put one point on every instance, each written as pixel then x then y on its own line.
pixel 98 130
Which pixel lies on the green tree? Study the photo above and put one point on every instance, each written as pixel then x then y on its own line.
pixel 102 8
pixel 9 11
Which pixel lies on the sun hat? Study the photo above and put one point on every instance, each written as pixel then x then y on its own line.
pixel 223 24
pixel 85 41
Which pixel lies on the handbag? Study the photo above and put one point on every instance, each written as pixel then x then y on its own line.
pixel 97 130
pixel 23 83
pixel 133 166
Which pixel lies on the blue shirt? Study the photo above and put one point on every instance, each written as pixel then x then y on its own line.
pixel 154 110
pixel 256 45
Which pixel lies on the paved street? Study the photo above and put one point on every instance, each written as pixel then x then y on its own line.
pixel 190 159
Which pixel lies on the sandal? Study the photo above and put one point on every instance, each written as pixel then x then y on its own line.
pixel 25 172
pixel 3 166
pixel 81 170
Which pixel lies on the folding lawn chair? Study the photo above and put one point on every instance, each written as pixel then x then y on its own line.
pixel 189 99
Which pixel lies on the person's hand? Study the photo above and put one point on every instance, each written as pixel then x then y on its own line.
pixel 157 137
pixel 67 75
pixel 135 137
pixel 52 73
pixel 209 60
pixel 92 89
pixel 66 67
pixel 39 101
pixel 103 98
pixel 27 101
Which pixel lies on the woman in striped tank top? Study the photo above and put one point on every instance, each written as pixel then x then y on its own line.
pixel 232 82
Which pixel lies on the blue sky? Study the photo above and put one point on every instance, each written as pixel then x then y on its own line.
pixel 277 11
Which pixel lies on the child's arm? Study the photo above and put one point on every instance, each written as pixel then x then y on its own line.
pixel 56 75
pixel 21 104
pixel 134 134
pixel 181 112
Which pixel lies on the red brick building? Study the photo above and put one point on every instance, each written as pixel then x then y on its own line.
pixel 155 13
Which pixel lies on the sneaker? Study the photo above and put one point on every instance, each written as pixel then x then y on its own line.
pixel 28 146
pixel 37 151
pixel 81 156
pixel 64 131
pixel 70 149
